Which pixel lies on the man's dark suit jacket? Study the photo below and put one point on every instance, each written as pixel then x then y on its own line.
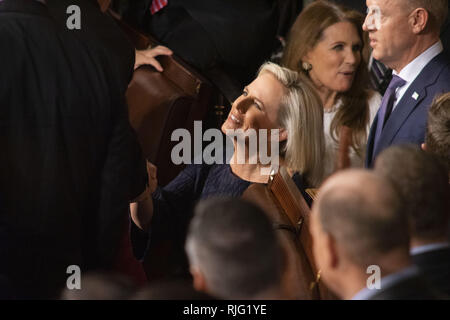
pixel 435 266
pixel 65 157
pixel 232 37
pixel 445 35
pixel 408 121
pixel 412 288
pixel 101 31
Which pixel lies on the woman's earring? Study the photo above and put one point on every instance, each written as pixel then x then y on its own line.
pixel 306 66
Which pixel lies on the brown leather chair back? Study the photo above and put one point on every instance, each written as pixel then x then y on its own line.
pixel 298 275
pixel 158 104
pixel 161 102
pixel 287 208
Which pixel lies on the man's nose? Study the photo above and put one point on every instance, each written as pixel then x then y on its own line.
pixel 368 23
pixel 243 104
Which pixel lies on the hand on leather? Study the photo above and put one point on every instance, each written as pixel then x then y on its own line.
pixel 147 57
pixel 141 208
pixel 152 178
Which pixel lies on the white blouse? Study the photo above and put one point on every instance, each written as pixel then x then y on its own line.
pixel 331 146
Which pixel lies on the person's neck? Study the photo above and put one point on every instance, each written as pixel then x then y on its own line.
pixel 417 242
pixel 421 45
pixel 251 170
pixel 327 96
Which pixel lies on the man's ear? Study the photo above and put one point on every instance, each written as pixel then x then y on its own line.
pixel 424 146
pixel 332 254
pixel 199 281
pixel 419 20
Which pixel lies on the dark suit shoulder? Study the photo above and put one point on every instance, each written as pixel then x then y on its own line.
pixel 440 68
pixel 435 267
pixel 412 288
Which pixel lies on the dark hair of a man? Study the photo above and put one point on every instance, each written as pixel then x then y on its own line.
pixel 232 242
pixel 438 130
pixel 423 183
pixel 366 221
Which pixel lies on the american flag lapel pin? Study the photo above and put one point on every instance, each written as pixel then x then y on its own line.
pixel 415 96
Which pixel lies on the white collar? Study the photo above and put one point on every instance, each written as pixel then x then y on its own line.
pixel 428 248
pixel 415 67
pixel 387 282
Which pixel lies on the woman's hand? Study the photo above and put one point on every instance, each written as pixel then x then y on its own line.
pixel 142 208
pixel 152 178
pixel 147 57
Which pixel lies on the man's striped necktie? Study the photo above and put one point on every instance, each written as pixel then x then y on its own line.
pixel 158 5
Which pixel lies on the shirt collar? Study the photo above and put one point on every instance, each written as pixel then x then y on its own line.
pixel 415 67
pixel 387 282
pixel 429 247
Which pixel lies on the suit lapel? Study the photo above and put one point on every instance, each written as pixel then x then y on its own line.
pixel 371 141
pixel 399 116
pixel 408 103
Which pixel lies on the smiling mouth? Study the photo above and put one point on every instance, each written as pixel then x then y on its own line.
pixel 234 119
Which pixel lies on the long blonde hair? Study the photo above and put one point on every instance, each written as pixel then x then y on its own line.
pixel 306 32
pixel 301 115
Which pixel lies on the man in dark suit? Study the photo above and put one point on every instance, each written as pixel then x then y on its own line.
pixel 422 181
pixel 409 44
pixel 226 40
pixel 66 157
pixel 101 31
pixel 361 240
pixel 445 35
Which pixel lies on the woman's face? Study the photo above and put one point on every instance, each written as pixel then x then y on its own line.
pixel 336 57
pixel 257 107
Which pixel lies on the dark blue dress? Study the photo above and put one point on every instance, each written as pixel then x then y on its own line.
pixel 173 205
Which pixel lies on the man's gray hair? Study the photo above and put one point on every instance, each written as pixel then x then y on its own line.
pixel 438 9
pixel 233 244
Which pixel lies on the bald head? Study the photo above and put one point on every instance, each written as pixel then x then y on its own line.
pixel 422 181
pixel 437 10
pixel 363 213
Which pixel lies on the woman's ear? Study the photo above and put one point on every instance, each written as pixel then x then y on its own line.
pixel 283 135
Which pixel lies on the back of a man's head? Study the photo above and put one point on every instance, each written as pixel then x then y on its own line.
pixel 437 10
pixel 363 214
pixel 438 130
pixel 233 245
pixel 422 182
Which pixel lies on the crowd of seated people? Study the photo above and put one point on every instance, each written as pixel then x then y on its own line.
pixel 374 168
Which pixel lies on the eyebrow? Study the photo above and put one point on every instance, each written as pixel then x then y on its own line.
pixel 343 42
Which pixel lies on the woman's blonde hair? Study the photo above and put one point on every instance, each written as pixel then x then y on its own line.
pixel 306 32
pixel 301 115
